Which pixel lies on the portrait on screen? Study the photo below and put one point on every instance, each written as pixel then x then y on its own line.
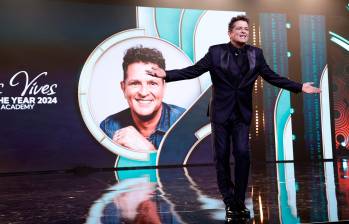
pixel 127 110
pixel 143 124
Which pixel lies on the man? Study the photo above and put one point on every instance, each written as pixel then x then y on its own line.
pixel 234 67
pixel 142 126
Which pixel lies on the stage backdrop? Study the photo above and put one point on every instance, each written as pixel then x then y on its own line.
pixel 64 95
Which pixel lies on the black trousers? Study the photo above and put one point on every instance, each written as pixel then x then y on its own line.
pixel 234 131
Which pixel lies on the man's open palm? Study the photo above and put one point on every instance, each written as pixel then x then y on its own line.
pixel 308 88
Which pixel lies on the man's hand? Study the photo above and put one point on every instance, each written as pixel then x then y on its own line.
pixel 130 138
pixel 308 88
pixel 157 72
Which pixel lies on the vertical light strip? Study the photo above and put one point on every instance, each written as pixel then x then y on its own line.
pixel 325 116
pixel 282 127
pixel 313 61
pixel 332 209
pixel 274 43
pixel 286 193
pixel 254 37
pixel 260 208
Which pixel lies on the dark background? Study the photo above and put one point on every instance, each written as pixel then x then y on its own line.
pixel 57 37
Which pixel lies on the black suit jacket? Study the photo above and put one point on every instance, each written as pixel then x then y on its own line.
pixel 232 91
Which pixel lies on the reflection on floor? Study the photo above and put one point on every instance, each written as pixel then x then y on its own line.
pixel 278 193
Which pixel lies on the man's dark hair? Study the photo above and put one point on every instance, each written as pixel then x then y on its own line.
pixel 142 54
pixel 235 19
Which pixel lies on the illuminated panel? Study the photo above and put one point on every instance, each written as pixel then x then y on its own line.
pixel 313 61
pixel 273 35
pixel 145 20
pixel 339 40
pixel 188 22
pixel 287 193
pixel 283 127
pixel 340 89
pixel 332 208
pixel 167 24
pixel 325 116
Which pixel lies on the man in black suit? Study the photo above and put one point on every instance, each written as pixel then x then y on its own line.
pixel 234 67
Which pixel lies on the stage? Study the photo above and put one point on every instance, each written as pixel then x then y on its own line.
pixel 114 111
pixel 277 193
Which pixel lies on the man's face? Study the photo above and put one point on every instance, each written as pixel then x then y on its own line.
pixel 144 93
pixel 239 33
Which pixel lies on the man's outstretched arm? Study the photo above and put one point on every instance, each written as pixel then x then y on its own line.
pixel 282 82
pixel 189 72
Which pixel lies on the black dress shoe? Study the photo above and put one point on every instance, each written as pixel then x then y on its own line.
pixel 244 212
pixel 235 214
pixel 230 214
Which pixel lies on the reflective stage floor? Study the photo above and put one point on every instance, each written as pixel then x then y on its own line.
pixel 278 193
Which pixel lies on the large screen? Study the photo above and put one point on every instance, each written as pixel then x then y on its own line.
pixel 74 91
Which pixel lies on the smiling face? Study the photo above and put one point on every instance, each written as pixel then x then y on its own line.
pixel 144 93
pixel 239 33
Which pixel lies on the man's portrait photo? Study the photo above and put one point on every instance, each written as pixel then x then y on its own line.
pixel 128 111
pixel 142 125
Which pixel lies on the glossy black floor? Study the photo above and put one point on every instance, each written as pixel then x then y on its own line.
pixel 278 193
